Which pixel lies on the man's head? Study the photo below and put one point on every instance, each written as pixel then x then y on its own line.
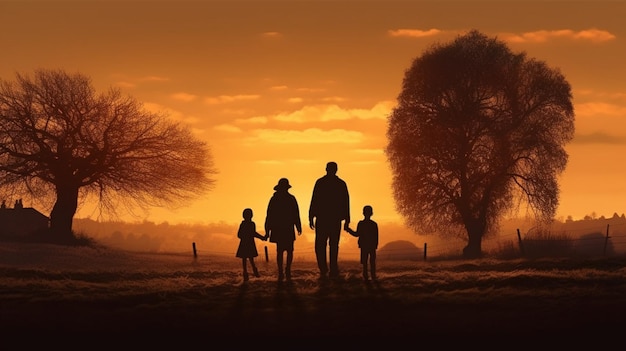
pixel 331 168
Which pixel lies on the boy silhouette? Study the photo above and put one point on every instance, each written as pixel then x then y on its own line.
pixel 367 232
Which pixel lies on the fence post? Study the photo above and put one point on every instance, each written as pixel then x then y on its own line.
pixel 521 245
pixel 606 239
pixel 425 246
pixel 195 253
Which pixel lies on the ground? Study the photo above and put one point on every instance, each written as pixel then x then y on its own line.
pixel 153 298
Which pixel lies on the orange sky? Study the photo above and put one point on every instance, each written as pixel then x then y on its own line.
pixel 279 88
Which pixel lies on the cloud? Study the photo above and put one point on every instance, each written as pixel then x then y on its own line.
pixel 229 128
pixel 599 123
pixel 311 90
pixel 414 33
pixel 334 99
pixel 600 94
pixel 279 87
pixel 129 83
pixel 326 113
pixel 171 113
pixel 240 111
pixel 198 131
pixel 160 109
pixel 252 120
pixel 190 119
pixel 295 100
pixel 376 151
pixel 593 109
pixel 310 114
pixel 184 97
pixel 307 136
pixel 542 36
pixel 379 111
pixel 224 99
pixel 599 138
pixel 271 34
pixel 153 79
pixel 126 85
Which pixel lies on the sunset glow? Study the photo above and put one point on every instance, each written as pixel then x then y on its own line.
pixel 277 89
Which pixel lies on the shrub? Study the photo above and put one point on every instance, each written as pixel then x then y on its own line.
pixel 544 243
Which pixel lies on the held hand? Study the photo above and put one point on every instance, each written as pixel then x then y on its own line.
pixel 311 225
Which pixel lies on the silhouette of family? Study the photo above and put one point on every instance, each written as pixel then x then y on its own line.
pixel 329 207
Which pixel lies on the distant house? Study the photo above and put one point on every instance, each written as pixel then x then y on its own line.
pixel 21 221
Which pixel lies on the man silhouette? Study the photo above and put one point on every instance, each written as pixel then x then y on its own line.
pixel 330 204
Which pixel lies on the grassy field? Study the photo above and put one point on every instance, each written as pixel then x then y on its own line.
pixel 97 292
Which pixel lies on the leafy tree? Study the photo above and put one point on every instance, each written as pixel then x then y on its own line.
pixel 61 142
pixel 477 131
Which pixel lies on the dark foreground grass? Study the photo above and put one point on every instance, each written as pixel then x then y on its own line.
pixel 67 294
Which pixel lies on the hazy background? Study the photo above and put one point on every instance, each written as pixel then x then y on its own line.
pixel 569 238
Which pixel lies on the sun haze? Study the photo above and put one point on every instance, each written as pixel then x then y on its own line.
pixel 278 89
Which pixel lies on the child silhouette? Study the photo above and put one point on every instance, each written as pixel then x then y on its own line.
pixel 247 247
pixel 367 232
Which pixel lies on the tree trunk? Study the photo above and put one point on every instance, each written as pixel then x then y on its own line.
pixel 474 245
pixel 62 215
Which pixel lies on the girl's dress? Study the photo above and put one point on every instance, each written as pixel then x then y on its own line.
pixel 246 234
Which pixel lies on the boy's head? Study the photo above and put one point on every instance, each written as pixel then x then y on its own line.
pixel 367 210
pixel 247 213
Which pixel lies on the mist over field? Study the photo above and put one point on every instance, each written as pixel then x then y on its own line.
pixel 586 236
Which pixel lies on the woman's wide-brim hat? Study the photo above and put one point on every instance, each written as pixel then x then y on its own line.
pixel 283 183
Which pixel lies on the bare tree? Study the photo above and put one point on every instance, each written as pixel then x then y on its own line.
pixel 477 131
pixel 61 142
